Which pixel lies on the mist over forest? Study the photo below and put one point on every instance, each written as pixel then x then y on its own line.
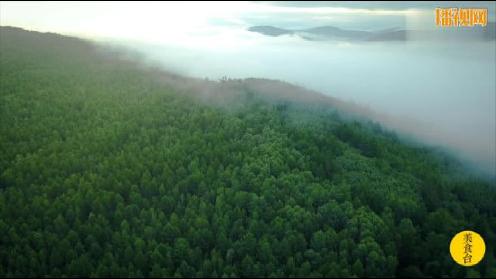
pixel 248 139
pixel 431 83
pixel 441 93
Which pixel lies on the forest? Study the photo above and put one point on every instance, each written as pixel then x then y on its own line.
pixel 110 169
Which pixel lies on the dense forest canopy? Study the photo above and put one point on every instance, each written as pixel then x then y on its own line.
pixel 108 168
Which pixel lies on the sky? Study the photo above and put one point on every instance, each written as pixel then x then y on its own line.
pixel 197 22
pixel 449 87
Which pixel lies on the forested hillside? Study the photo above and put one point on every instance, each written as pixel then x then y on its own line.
pixel 109 168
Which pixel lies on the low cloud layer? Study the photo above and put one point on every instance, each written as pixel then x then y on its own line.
pixel 443 94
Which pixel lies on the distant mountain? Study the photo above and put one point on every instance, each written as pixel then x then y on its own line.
pixel 328 33
pixel 269 30
pixel 331 32
pixel 317 33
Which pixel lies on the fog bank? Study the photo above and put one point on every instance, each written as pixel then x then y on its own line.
pixel 446 88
